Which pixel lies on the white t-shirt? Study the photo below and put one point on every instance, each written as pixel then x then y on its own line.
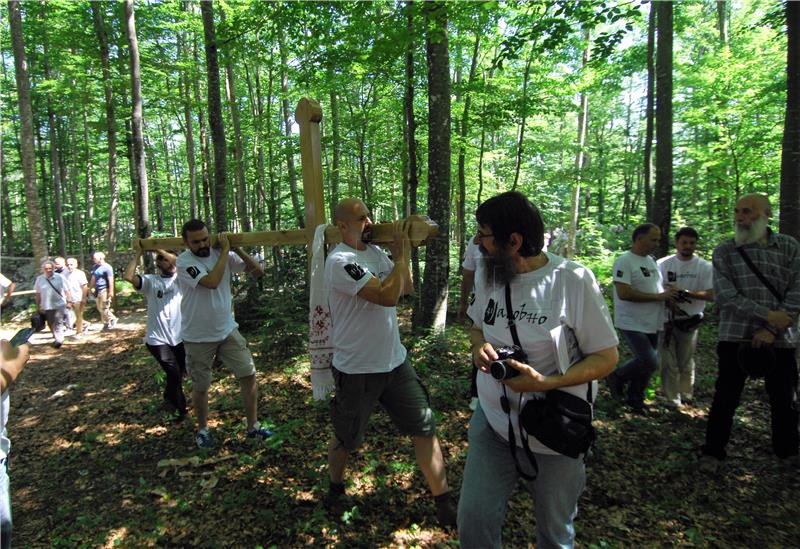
pixel 694 275
pixel 366 338
pixel 640 273
pixel 5 284
pixel 76 280
pixel 206 314
pixel 51 291
pixel 163 309
pixel 562 291
pixel 472 256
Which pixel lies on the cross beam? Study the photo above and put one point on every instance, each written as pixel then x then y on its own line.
pixel 308 116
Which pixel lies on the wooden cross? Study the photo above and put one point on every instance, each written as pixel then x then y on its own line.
pixel 308 116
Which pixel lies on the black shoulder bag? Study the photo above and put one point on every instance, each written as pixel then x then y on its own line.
pixel 756 362
pixel 561 421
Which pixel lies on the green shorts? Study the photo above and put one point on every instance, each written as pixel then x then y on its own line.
pixel 231 351
pixel 401 393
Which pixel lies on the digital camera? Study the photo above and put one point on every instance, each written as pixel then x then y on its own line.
pixel 499 369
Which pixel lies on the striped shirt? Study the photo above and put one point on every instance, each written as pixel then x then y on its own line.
pixel 743 300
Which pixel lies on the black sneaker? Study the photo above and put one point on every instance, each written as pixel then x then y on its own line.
pixel 616 386
pixel 446 510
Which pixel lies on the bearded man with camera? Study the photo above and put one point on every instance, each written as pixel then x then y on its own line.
pixel 530 305
pixel 678 339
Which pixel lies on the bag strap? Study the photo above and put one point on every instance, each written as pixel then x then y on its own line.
pixel 54 288
pixel 758 273
pixel 512 442
pixel 510 316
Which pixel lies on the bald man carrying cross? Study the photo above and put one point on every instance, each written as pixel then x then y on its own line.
pixel 370 364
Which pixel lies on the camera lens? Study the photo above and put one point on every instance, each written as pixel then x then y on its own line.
pixel 500 370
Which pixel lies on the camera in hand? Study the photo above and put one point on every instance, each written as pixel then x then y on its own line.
pixel 683 296
pixel 499 369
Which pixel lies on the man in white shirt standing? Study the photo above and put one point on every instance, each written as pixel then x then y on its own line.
pixel 163 333
pixel 78 292
pixel 370 364
pixel 639 297
pixel 208 328
pixel 52 297
pixel 692 275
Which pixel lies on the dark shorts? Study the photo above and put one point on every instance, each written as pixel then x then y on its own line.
pixel 401 393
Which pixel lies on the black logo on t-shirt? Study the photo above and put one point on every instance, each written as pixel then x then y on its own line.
pixel 355 271
pixel 619 273
pixel 160 294
pixel 491 313
pixel 672 276
pixel 193 271
pixel 645 271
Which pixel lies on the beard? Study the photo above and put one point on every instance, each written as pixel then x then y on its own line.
pixel 755 232
pixel 202 252
pixel 686 253
pixel 366 235
pixel 499 267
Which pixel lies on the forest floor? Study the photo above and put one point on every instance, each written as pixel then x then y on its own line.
pixel 89 439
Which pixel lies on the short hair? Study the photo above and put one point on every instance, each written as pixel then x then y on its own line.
pixel 46 261
pixel 644 228
pixel 101 255
pixel 75 259
pixel 687 231
pixel 191 226
pixel 512 212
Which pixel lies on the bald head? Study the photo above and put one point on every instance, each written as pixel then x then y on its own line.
pixel 352 218
pixel 755 201
pixel 346 209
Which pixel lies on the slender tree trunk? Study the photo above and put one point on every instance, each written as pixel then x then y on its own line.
pixel 215 119
pixel 137 122
pixel 111 125
pixel 461 217
pixel 336 150
pixel 204 152
pixel 662 200
pixel 411 132
pixel 287 132
pixel 437 259
pixel 523 118
pixel 89 188
pixel 183 85
pixel 157 184
pixel 583 123
pixel 5 194
pixel 649 112
pixel 27 152
pixel 272 206
pixel 790 154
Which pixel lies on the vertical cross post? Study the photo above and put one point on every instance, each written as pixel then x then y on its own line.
pixel 308 116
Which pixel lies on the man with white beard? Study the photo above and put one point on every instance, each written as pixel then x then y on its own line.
pixel 757 287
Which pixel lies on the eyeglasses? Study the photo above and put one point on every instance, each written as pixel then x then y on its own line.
pixel 480 236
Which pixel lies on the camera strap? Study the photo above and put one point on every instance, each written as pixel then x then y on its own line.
pixel 506 405
pixel 758 273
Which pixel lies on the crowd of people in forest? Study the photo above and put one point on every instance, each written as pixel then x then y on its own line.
pixel 541 337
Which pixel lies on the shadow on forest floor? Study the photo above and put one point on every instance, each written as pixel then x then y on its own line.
pixel 88 434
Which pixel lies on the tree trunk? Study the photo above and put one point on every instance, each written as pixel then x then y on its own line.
pixel 583 123
pixel 648 113
pixel 662 199
pixel 722 23
pixel 137 122
pixel 187 120
pixel 204 152
pixel 437 259
pixel 26 146
pixel 89 188
pixel 215 118
pixel 336 150
pixel 238 152
pixel 411 132
pixel 523 119
pixel 8 221
pixel 287 132
pixel 111 125
pixel 790 154
pixel 461 216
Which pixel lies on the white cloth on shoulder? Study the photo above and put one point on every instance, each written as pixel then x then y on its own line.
pixel 320 346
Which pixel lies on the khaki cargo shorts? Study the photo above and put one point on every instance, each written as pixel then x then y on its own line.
pixel 231 351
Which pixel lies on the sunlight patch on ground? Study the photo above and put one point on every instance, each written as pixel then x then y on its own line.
pixel 412 536
pixel 116 537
